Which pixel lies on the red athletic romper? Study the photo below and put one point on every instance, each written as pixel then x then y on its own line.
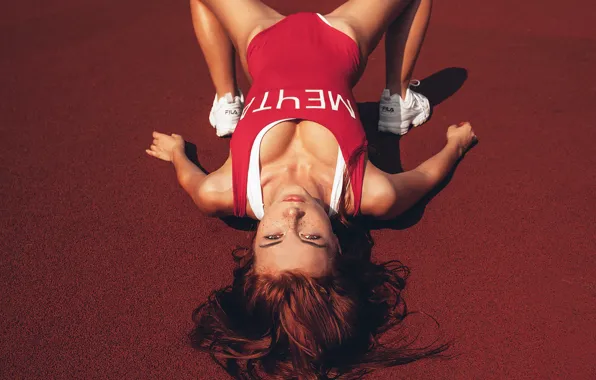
pixel 302 68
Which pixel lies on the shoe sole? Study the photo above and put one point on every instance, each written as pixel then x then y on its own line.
pixel 404 128
pixel 212 119
pixel 212 116
pixel 395 129
pixel 219 133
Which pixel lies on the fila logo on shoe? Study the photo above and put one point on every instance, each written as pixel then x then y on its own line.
pixel 231 112
pixel 387 109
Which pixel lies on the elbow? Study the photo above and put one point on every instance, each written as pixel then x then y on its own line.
pixel 187 182
pixel 406 193
pixel 207 211
pixel 207 200
pixel 383 203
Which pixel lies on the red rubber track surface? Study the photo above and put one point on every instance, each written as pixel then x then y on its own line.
pixel 103 256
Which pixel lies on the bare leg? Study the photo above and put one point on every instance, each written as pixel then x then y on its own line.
pixel 369 19
pixel 402 45
pixel 217 48
pixel 405 21
pixel 223 28
pixel 242 19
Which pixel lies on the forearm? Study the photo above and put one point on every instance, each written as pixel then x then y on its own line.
pixel 189 175
pixel 409 187
pixel 439 165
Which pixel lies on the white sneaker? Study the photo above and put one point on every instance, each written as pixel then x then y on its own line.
pixel 397 114
pixel 225 113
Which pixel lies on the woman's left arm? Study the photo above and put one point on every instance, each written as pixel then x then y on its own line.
pixel 386 196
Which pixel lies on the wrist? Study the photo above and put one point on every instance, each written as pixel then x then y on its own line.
pixel 178 153
pixel 455 145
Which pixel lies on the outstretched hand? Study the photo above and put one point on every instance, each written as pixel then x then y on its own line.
pixel 463 135
pixel 164 146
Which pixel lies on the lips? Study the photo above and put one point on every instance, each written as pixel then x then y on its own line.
pixel 294 198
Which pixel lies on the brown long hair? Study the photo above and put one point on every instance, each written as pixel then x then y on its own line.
pixel 293 326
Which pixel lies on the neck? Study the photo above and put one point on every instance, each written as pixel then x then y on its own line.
pixel 291 182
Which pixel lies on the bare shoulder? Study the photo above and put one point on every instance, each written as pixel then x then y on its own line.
pixel 378 192
pixel 215 195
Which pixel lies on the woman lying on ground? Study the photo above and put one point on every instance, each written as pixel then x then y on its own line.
pixel 303 303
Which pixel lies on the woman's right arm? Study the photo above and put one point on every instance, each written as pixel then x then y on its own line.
pixel 212 193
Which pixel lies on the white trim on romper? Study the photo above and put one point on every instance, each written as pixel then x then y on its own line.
pixel 324 19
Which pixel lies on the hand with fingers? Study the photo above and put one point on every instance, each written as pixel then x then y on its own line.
pixel 463 135
pixel 164 146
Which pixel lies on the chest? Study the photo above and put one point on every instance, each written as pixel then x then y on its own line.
pixel 299 143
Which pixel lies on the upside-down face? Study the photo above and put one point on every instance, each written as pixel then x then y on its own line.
pixel 295 234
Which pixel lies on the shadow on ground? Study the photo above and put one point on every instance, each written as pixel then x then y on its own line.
pixel 442 84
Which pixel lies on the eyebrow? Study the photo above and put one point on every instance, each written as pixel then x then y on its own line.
pixel 304 241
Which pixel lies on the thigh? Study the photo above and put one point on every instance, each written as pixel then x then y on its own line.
pixel 242 19
pixel 369 19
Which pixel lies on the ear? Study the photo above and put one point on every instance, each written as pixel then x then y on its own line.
pixel 337 243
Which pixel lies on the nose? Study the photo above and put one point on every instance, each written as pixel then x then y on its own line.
pixel 294 212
